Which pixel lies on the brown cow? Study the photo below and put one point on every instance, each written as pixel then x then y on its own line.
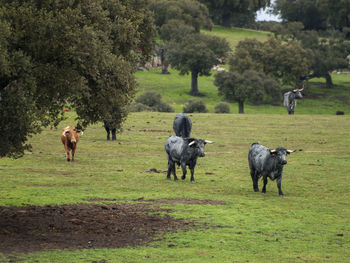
pixel 70 139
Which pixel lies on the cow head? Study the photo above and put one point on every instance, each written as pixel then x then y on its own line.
pixel 280 153
pixel 198 145
pixel 71 133
pixel 297 93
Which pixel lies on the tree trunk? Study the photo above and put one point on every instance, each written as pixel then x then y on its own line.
pixel 162 60
pixel 226 20
pixel 240 107
pixel 194 85
pixel 329 82
pixel 165 69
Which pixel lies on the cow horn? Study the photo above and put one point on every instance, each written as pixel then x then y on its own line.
pixel 272 151
pixel 295 90
pixel 301 89
pixel 290 151
pixel 208 141
pixel 191 143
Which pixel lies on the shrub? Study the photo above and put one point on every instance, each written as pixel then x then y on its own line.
pixel 222 107
pixel 164 107
pixel 138 107
pixel 195 106
pixel 150 98
pixel 150 101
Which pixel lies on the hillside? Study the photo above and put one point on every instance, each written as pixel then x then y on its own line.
pixel 175 88
pixel 234 35
pixel 317 100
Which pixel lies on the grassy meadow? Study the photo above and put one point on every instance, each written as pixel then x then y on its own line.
pixel 309 224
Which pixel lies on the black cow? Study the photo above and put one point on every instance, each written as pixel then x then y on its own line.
pixel 264 163
pixel 109 128
pixel 183 151
pixel 290 99
pixel 182 125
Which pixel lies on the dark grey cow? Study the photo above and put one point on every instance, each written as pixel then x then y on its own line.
pixel 264 163
pixel 183 151
pixel 290 99
pixel 182 125
pixel 110 129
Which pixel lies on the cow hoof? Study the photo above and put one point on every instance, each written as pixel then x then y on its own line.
pixel 282 195
pixel 168 178
pixel 193 181
pixel 68 160
pixel 183 177
pixel 256 190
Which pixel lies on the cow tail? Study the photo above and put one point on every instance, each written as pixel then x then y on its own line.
pixel 184 128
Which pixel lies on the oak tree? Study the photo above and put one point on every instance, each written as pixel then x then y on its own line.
pixel 81 52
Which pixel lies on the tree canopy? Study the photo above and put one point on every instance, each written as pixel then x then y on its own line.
pixel 315 14
pixel 234 12
pixel 328 53
pixel 53 52
pixel 196 54
pixel 174 20
pixel 188 12
pixel 248 85
pixel 285 62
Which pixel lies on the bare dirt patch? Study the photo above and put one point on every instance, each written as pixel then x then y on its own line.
pixel 83 226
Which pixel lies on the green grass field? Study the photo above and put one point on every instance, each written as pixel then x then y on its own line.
pixel 309 224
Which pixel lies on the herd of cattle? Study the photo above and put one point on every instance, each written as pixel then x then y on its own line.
pixel 184 150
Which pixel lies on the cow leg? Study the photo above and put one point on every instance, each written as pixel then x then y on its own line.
pixel 255 179
pixel 265 183
pixel 174 172
pixel 184 171
pixel 108 133
pixel 170 168
pixel 67 155
pixel 192 165
pixel 114 136
pixel 279 185
pixel 73 152
pixel 192 174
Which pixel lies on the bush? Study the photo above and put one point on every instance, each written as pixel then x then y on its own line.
pixel 222 107
pixel 138 107
pixel 150 101
pixel 150 98
pixel 195 106
pixel 164 107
